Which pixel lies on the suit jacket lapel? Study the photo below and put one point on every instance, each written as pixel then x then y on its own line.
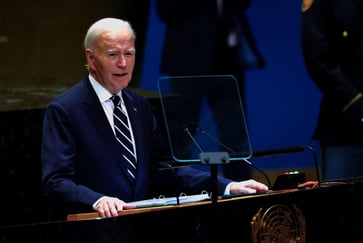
pixel 98 117
pixel 96 113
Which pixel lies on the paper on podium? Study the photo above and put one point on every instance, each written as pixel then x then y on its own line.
pixel 143 205
pixel 166 201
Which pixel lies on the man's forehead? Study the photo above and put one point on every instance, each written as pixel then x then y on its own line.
pixel 115 39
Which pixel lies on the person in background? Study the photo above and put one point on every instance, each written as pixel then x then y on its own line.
pixel 211 37
pixel 332 45
pixel 84 166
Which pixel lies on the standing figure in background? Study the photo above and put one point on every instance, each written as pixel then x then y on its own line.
pixel 210 37
pixel 332 44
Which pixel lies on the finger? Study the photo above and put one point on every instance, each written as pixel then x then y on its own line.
pixel 108 208
pixel 101 212
pixel 258 186
pixel 248 190
pixel 129 206
pixel 113 206
pixel 105 209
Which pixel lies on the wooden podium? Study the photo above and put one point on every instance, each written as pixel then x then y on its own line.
pixel 331 213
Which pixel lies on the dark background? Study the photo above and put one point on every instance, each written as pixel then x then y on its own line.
pixel 41 54
pixel 282 101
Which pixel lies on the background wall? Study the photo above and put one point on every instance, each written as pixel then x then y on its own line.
pixel 44 39
pixel 282 101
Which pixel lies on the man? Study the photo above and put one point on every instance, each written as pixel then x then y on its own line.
pixel 211 37
pixel 83 161
pixel 332 43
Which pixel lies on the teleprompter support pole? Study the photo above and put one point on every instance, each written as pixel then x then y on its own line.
pixel 214 159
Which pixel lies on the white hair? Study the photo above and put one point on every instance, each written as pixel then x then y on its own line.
pixel 105 24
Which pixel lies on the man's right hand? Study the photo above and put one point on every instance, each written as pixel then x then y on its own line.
pixel 110 206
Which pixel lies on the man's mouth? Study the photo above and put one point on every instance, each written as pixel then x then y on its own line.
pixel 120 74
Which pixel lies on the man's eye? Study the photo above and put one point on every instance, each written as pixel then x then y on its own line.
pixel 129 53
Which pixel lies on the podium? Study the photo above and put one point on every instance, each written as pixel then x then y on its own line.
pixel 331 213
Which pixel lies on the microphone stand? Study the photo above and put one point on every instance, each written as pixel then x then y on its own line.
pixel 213 159
pixel 233 152
pixel 289 150
pixel 256 154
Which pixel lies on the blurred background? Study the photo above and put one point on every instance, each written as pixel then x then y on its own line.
pixel 281 101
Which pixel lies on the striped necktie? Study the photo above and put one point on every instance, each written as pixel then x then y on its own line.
pixel 123 136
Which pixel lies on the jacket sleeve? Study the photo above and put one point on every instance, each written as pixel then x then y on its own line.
pixel 194 181
pixel 323 45
pixel 58 155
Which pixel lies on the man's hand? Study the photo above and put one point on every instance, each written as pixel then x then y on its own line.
pixel 247 187
pixel 109 206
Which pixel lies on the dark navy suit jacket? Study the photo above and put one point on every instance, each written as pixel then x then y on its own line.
pixel 332 44
pixel 81 159
pixel 191 36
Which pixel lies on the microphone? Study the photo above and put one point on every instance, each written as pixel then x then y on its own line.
pixel 216 140
pixel 209 157
pixel 271 152
pixel 234 152
pixel 186 130
pixel 288 150
pixel 213 166
pixel 278 151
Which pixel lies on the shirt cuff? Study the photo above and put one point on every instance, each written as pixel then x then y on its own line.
pixel 227 190
pixel 95 203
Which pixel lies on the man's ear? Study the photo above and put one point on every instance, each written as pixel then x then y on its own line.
pixel 89 57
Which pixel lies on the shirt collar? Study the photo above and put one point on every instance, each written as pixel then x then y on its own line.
pixel 102 93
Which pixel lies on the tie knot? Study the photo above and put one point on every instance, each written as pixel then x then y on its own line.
pixel 116 100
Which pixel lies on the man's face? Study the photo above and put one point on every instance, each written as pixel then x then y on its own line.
pixel 112 61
